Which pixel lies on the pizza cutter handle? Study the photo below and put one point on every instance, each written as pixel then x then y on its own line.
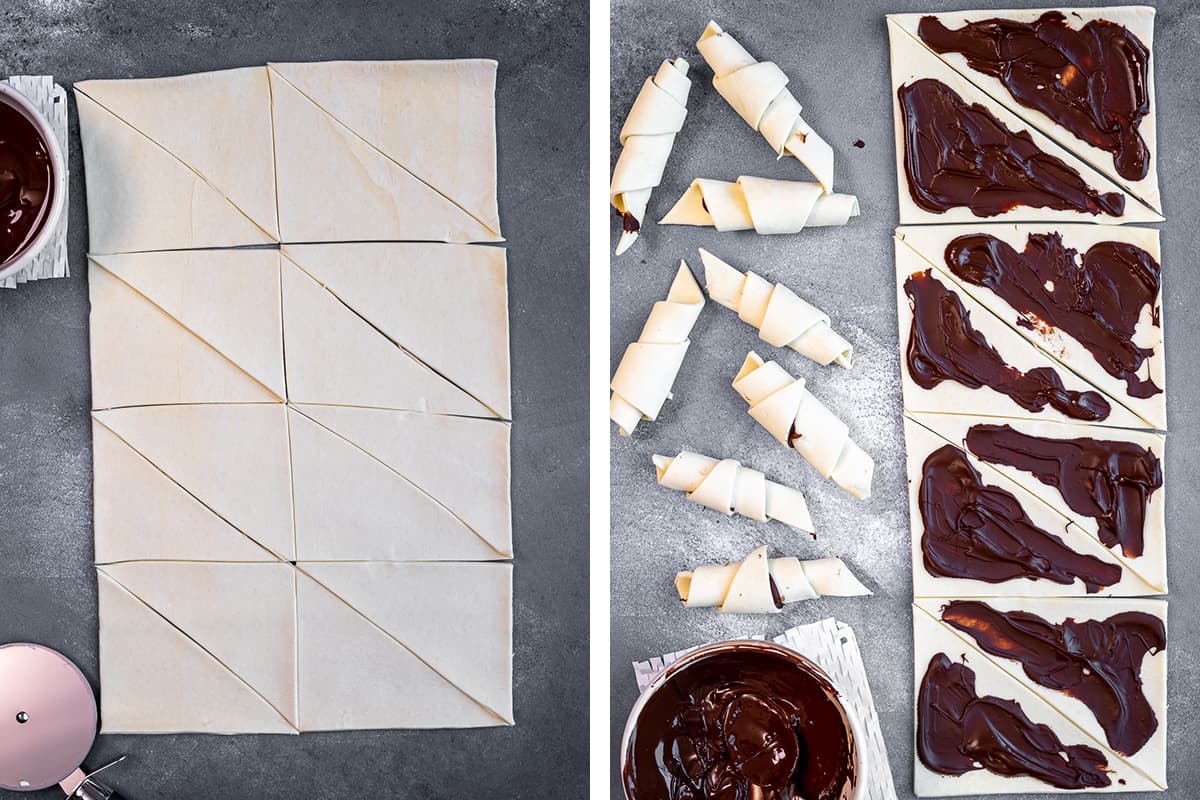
pixel 92 789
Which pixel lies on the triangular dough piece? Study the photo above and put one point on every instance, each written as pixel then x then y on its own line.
pixel 242 614
pixel 232 458
pixel 352 507
pixel 1152 565
pixel 930 241
pixel 228 298
pixel 949 396
pixel 920 442
pixel 142 356
pixel 333 356
pixel 140 197
pixel 463 463
pixel 930 637
pixel 435 118
pixel 1139 20
pixel 217 123
pixel 141 514
pixel 456 617
pixel 912 61
pixel 156 680
pixel 1151 759
pixel 334 187
pixel 445 304
pixel 341 652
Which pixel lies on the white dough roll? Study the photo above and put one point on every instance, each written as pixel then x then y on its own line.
pixel 761 585
pixel 796 418
pixel 763 205
pixel 643 379
pixel 730 488
pixel 783 318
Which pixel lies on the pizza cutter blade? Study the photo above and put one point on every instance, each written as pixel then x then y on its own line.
pixel 47 723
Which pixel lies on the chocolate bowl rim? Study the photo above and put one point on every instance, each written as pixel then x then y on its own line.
pixel 858 789
pixel 58 165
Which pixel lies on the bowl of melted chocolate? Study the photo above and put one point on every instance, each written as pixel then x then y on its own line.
pixel 742 720
pixel 32 181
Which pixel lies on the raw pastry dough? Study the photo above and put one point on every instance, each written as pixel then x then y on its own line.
pixel 784 406
pixel 750 586
pixel 768 206
pixel 646 139
pixel 730 488
pixel 643 379
pixel 783 318
pixel 758 92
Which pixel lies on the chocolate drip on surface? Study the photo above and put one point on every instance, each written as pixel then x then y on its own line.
pixel 1096 299
pixel 958 154
pixel 1092 81
pixel 26 183
pixel 982 533
pixel 1098 662
pixel 943 345
pixel 1109 481
pixel 629 223
pixel 740 719
pixel 959 732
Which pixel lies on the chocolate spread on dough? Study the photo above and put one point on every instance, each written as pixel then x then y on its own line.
pixel 1095 298
pixel 943 345
pixel 629 223
pixel 1092 81
pixel 26 182
pixel 958 154
pixel 959 732
pixel 982 533
pixel 1109 481
pixel 1098 662
pixel 736 722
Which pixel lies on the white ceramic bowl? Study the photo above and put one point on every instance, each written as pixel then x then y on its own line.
pixel 58 173
pixel 857 792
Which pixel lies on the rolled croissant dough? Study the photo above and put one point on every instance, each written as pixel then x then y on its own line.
pixel 767 206
pixel 731 488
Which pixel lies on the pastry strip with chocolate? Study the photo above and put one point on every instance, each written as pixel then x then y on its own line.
pixel 761 585
pixel 764 205
pixel 730 488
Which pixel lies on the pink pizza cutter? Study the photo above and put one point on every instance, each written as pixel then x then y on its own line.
pixel 47 724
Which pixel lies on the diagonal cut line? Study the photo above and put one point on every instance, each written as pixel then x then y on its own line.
pixel 407 480
pixel 203 649
pixel 497 420
pixel 414 653
pixel 358 136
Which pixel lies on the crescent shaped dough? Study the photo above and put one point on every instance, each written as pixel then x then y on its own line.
pixel 784 406
pixel 783 318
pixel 758 92
pixel 764 205
pixel 746 587
pixel 730 488
pixel 647 138
pixel 643 379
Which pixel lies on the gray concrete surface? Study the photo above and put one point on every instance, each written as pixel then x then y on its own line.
pixel 47 588
pixel 837 57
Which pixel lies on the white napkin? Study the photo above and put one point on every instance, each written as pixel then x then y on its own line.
pixel 50 99
pixel 831 645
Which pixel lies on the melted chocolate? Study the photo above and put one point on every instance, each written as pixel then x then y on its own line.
pixel 1097 662
pixel 26 182
pixel 1092 81
pixel 739 719
pixel 982 532
pixel 1109 481
pixel 959 732
pixel 629 223
pixel 1096 299
pixel 958 154
pixel 943 345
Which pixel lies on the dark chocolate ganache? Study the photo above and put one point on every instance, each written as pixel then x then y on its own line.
pixel 741 723
pixel 1098 662
pixel 26 182
pixel 1096 298
pixel 982 533
pixel 958 155
pixel 1109 481
pixel 1092 81
pixel 943 345
pixel 959 732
